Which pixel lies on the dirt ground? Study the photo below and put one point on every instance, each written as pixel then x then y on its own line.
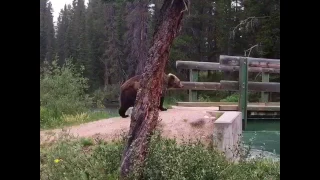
pixel 182 123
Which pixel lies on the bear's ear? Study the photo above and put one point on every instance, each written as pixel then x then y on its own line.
pixel 170 77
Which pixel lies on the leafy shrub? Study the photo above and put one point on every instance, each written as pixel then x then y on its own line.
pixel 232 98
pixel 45 114
pixel 62 91
pixel 166 160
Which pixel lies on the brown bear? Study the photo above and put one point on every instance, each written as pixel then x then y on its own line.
pixel 128 91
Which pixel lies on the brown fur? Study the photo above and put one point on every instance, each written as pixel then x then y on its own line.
pixel 128 91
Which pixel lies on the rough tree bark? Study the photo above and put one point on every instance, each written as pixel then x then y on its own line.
pixel 144 117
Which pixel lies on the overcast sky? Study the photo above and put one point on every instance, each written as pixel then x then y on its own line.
pixel 57 5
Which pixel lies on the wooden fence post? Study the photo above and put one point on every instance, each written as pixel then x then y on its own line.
pixel 243 90
pixel 265 95
pixel 193 97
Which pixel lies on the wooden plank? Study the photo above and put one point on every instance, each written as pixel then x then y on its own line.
pixel 265 95
pixel 198 86
pixel 243 90
pixel 229 86
pixel 263 108
pixel 252 86
pixel 217 104
pixel 250 108
pixel 264 65
pixel 264 86
pixel 258 113
pixel 203 104
pixel 265 118
pixel 208 104
pixel 236 60
pixel 209 66
pixel 252 62
pixel 264 113
pixel 193 78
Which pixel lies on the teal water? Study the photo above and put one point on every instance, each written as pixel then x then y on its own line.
pixel 263 136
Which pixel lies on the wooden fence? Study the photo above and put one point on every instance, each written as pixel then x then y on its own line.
pixel 234 63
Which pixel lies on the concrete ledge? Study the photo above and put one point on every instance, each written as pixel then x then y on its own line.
pixel 227 134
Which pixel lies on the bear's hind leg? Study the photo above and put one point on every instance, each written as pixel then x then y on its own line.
pixel 127 101
pixel 161 104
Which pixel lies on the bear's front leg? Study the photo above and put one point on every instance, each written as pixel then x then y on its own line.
pixel 122 112
pixel 161 104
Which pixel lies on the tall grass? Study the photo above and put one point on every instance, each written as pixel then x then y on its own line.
pixel 86 159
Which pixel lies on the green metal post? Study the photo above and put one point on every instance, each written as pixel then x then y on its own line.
pixel 243 90
pixel 193 97
pixel 265 95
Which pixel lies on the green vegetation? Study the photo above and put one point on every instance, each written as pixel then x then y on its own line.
pixel 110 47
pixel 49 122
pixel 63 97
pixel 171 100
pixel 106 41
pixel 86 159
pixel 232 98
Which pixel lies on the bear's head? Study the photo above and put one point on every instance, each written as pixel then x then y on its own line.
pixel 174 81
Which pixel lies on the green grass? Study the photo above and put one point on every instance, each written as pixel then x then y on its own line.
pixel 86 142
pixel 70 120
pixel 87 159
pixel 101 115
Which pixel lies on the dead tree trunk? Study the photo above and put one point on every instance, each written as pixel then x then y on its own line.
pixel 144 117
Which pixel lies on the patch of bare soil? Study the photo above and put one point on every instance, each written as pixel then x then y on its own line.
pixel 182 123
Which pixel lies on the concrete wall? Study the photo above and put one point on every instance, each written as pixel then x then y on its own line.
pixel 227 134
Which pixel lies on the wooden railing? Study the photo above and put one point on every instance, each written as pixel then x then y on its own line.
pixel 234 63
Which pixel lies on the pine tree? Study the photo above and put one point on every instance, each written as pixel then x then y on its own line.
pixel 63 34
pixel 96 21
pixel 47 32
